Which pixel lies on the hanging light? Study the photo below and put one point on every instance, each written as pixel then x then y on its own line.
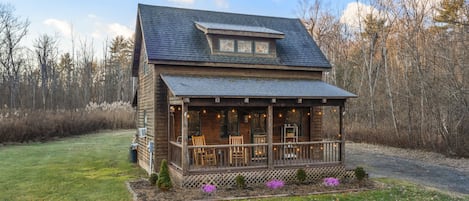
pixel 218 116
pixel 233 110
pixel 280 115
pixel 264 115
pixel 309 114
pixel 293 110
pixel 188 115
pixel 319 113
pixel 249 116
pixel 204 111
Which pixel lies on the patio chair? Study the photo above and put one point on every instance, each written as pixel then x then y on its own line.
pixel 260 152
pixel 237 152
pixel 202 155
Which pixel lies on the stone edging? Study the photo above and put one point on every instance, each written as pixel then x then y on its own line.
pixel 134 195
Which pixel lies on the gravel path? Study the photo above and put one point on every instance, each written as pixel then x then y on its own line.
pixel 426 168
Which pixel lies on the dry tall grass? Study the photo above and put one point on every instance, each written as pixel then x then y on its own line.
pixel 39 125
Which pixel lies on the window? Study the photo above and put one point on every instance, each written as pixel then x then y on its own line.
pixel 145 119
pixel 227 45
pixel 145 64
pixel 229 123
pixel 244 46
pixel 262 47
pixel 193 120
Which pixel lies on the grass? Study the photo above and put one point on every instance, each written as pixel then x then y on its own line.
pixel 89 167
pixel 393 190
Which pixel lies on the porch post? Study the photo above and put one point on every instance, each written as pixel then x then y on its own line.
pixel 185 150
pixel 342 134
pixel 270 122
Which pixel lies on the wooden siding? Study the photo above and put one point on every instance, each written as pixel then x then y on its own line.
pixel 153 96
pixel 145 103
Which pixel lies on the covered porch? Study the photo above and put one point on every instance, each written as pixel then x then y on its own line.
pixel 234 124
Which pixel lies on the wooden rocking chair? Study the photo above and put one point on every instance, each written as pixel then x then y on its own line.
pixel 202 155
pixel 237 152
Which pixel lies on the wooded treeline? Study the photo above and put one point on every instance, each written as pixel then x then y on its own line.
pixel 408 63
pixel 44 77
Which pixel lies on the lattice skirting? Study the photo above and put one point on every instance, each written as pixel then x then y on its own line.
pixel 260 177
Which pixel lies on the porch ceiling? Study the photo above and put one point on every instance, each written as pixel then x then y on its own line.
pixel 250 87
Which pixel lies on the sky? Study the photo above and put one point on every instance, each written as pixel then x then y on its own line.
pixel 98 21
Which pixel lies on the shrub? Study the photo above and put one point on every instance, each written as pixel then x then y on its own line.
pixel 274 184
pixel 331 181
pixel 360 173
pixel 240 181
pixel 301 175
pixel 153 178
pixel 209 188
pixel 164 181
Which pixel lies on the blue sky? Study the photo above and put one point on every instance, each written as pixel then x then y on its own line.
pixel 98 20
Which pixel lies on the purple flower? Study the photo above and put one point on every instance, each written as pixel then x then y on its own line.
pixel 209 188
pixel 274 184
pixel 331 181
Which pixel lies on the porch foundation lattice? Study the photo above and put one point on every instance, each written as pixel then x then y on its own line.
pixel 260 177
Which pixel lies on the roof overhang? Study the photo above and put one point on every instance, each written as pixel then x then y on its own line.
pixel 252 87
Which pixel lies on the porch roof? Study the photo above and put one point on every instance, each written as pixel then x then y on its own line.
pixel 251 87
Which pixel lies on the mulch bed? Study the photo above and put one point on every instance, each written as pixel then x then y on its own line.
pixel 143 191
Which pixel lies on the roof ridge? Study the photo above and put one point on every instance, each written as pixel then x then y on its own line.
pixel 211 11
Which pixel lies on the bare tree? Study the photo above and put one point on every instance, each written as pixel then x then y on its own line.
pixel 12 31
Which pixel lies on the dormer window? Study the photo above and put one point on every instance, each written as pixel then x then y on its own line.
pixel 240 40
pixel 244 46
pixel 262 47
pixel 227 45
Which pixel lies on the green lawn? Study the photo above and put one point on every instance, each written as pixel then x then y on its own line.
pixel 89 167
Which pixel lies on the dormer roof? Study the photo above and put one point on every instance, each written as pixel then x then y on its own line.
pixel 238 30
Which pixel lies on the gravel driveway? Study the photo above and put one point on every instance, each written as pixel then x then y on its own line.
pixel 426 168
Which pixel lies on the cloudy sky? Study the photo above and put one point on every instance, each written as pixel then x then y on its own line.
pixel 100 20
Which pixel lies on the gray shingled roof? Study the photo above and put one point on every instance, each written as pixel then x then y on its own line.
pixel 210 86
pixel 170 34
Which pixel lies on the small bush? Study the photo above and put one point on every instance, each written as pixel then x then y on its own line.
pixel 240 181
pixel 360 173
pixel 301 175
pixel 275 184
pixel 153 178
pixel 164 181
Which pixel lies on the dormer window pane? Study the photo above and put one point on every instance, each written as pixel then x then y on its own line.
pixel 244 46
pixel 262 47
pixel 226 45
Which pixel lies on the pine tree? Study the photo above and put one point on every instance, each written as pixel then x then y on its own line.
pixel 164 181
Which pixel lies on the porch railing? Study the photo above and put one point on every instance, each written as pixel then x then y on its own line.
pixel 219 157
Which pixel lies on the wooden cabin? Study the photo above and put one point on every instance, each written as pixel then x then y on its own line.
pixel 224 94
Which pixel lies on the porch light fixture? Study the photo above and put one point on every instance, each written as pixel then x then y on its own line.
pixel 188 115
pixel 309 114
pixel 204 111
pixel 280 115
pixel 249 116
pixel 233 110
pixel 179 108
pixel 264 115
pixel 319 113
pixel 218 116
pixel 297 149
pixel 293 110
pixel 339 135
